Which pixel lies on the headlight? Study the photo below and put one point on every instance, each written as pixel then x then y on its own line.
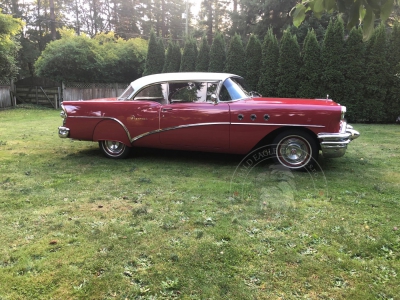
pixel 343 112
pixel 63 114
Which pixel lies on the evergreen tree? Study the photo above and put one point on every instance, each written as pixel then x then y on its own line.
pixel 189 55
pixel 332 52
pixel 172 58
pixel 288 66
pixel 353 85
pixel 235 58
pixel 217 54
pixel 267 84
pixel 161 55
pixel 310 71
pixel 155 59
pixel 392 101
pixel 376 73
pixel 253 59
pixel 203 59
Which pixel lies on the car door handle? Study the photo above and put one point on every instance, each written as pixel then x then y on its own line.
pixel 166 109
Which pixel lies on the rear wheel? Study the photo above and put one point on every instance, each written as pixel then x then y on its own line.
pixel 295 149
pixel 114 149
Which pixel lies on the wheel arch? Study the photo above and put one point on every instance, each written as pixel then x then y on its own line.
pixel 111 130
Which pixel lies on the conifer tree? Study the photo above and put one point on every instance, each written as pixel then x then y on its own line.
pixel 253 59
pixel 267 84
pixel 332 52
pixel 288 66
pixel 161 55
pixel 310 71
pixel 392 101
pixel 353 84
pixel 154 60
pixel 376 76
pixel 217 54
pixel 203 59
pixel 189 55
pixel 172 58
pixel 236 57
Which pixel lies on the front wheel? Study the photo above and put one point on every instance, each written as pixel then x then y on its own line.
pixel 114 149
pixel 295 149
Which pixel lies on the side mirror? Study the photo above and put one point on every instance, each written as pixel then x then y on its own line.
pixel 214 98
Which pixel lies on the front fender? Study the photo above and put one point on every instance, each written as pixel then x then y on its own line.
pixel 111 130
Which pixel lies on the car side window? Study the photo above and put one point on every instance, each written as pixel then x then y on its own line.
pixel 191 92
pixel 231 90
pixel 156 93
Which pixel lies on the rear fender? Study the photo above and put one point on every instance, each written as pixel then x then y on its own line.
pixel 111 130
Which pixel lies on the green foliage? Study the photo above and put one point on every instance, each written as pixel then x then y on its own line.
pixel 288 66
pixel 353 84
pixel 203 59
pixel 236 57
pixel 217 54
pixel 172 58
pixel 392 101
pixel 189 56
pixel 155 59
pixel 267 85
pixel 253 59
pixel 376 73
pixel 9 46
pixel 310 72
pixel 104 58
pixel 332 61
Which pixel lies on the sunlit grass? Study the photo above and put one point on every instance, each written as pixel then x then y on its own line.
pixel 166 224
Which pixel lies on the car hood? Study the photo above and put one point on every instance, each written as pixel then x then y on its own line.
pixel 292 101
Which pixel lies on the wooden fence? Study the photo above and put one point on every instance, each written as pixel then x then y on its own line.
pixel 86 91
pixel 5 98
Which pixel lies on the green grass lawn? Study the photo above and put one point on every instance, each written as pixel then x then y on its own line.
pixel 167 224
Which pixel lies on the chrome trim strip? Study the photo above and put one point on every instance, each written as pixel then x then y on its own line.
pixel 276 124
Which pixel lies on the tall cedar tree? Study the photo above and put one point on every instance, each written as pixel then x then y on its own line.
pixel 161 55
pixel 353 84
pixel 203 59
pixel 189 56
pixel 253 59
pixel 172 58
pixel 267 84
pixel 332 52
pixel 310 71
pixel 217 54
pixel 376 73
pixel 288 66
pixel 235 58
pixel 392 103
pixel 154 61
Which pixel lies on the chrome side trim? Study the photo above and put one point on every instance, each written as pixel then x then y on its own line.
pixel 276 124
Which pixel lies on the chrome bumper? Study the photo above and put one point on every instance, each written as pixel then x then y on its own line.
pixel 335 144
pixel 63 132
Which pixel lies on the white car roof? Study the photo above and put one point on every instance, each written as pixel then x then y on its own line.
pixel 181 76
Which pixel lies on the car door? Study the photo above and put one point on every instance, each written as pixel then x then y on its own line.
pixel 191 120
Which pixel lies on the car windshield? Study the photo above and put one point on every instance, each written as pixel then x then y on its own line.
pixel 233 89
pixel 128 92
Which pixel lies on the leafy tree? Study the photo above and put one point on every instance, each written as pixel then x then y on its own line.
pixel 376 76
pixel 310 71
pixel 9 45
pixel 236 57
pixel 364 10
pixel 217 54
pixel 253 59
pixel 203 59
pixel 172 58
pixel 267 85
pixel 288 66
pixel 189 56
pixel 392 101
pixel 353 84
pixel 332 61
pixel 154 60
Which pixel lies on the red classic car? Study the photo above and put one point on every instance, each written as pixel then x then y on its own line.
pixel 208 112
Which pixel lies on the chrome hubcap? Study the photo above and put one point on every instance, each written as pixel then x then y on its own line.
pixel 114 147
pixel 294 152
